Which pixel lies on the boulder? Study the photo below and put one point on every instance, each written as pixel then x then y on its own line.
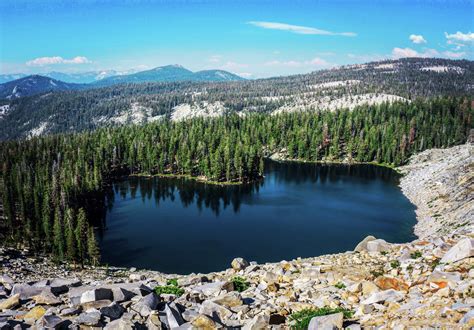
pixel 190 314
pixel 230 299
pixel 26 291
pixel 214 288
pixel 362 246
pixel 212 309
pixel 203 322
pixel 173 316
pixel 51 321
pixel 98 304
pixel 326 322
pixel 136 277
pixel 120 324
pixel 387 295
pixel 121 294
pixel 257 323
pixel 11 302
pixel 90 318
pixel 146 304
pixel 239 264
pixel 112 311
pixel 96 294
pixel 385 283
pixel 463 249
pixel 34 314
pixel 377 245
pixel 46 298
pixel 6 281
pixel 59 286
pixel 70 311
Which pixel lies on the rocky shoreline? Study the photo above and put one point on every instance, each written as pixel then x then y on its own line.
pixel 427 283
pixel 440 182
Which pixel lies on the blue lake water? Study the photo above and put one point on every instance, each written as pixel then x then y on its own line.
pixel 298 210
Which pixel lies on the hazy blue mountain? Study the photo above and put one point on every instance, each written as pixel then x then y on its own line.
pixel 10 77
pixel 81 77
pixel 170 73
pixel 32 85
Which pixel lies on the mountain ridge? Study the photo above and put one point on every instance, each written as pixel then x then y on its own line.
pixel 373 83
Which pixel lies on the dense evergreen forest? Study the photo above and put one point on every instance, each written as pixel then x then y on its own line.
pixel 52 187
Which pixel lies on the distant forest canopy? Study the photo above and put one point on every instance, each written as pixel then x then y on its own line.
pixel 52 186
pixel 76 111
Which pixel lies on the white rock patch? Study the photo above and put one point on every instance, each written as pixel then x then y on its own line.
pixel 443 69
pixel 137 114
pixel 204 109
pixel 4 109
pixel 40 129
pixel 339 83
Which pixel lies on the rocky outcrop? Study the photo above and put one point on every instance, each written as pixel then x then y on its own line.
pixel 422 284
pixel 428 282
pixel 440 183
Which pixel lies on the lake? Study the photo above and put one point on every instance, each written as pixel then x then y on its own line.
pixel 298 210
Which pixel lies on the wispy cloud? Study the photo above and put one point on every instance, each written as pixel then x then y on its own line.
pixel 417 39
pixel 42 61
pixel 299 29
pixel 460 37
pixel 408 52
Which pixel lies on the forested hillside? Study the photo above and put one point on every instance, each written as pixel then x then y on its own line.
pixel 344 87
pixel 53 187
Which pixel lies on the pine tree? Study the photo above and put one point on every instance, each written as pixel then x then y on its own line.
pixel 81 235
pixel 58 236
pixel 92 248
pixel 70 236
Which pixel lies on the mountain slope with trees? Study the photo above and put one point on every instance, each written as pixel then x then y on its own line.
pixel 345 87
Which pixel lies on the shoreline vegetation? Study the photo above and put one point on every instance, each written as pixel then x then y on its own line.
pixel 203 180
pixel 52 187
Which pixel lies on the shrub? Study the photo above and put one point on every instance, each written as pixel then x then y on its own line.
pixel 240 284
pixel 172 281
pixel 301 319
pixel 340 285
pixel 171 287
pixel 395 264
pixel 415 255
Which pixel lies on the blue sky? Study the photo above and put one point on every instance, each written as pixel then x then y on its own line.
pixel 251 38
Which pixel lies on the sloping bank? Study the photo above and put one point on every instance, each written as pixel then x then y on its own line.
pixel 425 283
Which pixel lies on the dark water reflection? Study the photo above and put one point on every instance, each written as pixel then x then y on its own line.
pixel 182 226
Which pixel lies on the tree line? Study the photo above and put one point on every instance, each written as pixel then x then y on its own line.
pixel 52 187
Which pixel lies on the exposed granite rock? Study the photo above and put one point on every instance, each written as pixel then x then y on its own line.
pixel 439 182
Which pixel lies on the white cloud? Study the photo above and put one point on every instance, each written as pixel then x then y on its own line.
pixel 417 39
pixel 42 61
pixel 298 29
pixel 77 60
pixel 459 36
pixel 408 52
pixel 451 54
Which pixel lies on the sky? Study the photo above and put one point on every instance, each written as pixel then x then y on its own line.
pixel 251 38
